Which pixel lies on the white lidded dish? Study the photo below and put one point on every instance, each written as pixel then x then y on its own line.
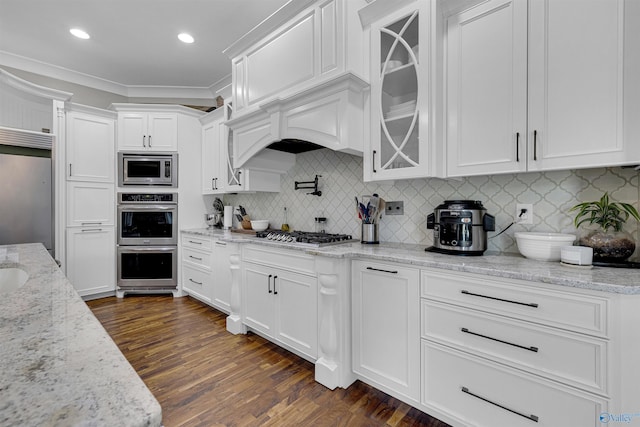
pixel 543 246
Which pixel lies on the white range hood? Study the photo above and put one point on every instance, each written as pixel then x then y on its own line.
pixel 331 115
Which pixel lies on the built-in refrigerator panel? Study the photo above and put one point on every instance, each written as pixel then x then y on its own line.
pixel 26 213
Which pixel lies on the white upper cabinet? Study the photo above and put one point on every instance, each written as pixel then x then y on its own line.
pixel 402 111
pixel 542 88
pixel 90 147
pixel 147 131
pixel 305 42
pixel 299 75
pixel 212 172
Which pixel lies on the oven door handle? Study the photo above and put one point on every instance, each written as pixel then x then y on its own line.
pixel 122 208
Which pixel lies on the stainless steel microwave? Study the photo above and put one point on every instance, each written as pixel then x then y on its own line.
pixel 156 169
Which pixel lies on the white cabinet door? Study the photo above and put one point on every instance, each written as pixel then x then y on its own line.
pixel 400 96
pixel 487 89
pixel 296 311
pixel 90 203
pixel 386 326
pixel 212 180
pixel 91 259
pixel 222 280
pixel 163 132
pixel 90 148
pixel 132 131
pixel 539 89
pixel 232 175
pixel 576 87
pixel 147 131
pixel 257 299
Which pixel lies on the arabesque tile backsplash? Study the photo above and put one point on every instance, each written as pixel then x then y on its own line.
pixel 551 193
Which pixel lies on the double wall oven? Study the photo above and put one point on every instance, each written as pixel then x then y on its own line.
pixel 147 242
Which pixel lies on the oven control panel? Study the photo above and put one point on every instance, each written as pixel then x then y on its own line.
pixel 170 198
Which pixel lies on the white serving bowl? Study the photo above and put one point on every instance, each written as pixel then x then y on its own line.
pixel 259 224
pixel 543 246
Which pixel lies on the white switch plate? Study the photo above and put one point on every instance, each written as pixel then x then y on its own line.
pixel 527 217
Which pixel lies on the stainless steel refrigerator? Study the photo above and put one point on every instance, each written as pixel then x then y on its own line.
pixel 26 212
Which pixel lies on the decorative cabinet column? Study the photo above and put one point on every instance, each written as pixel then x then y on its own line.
pixel 333 365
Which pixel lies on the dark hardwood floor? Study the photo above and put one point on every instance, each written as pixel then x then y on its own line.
pixel 204 376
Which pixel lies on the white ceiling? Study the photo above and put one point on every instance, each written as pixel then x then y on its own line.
pixel 133 42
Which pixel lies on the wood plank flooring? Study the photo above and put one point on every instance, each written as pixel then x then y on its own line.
pixel 204 376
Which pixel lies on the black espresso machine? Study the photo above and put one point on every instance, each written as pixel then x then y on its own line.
pixel 460 227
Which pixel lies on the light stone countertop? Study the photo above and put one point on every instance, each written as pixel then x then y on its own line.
pixel 510 266
pixel 58 365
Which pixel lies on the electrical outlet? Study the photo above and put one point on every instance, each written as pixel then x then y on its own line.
pixel 525 218
pixel 394 208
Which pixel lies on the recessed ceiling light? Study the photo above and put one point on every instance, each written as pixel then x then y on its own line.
pixel 185 38
pixel 79 33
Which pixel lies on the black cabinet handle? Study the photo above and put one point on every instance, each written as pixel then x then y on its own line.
pixel 269 283
pixel 274 285
pixel 528 304
pixel 384 271
pixel 144 140
pixel 467 331
pixel 535 145
pixel 517 146
pixel 196 243
pixel 70 174
pixel 197 283
pixel 533 418
pixel 195 257
pixel 373 165
pixel 149 141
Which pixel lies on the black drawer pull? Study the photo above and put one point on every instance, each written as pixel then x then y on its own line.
pixel 533 418
pixel 275 292
pixel 384 271
pixel 528 304
pixel 269 283
pixel 197 283
pixel 467 331
pixel 195 243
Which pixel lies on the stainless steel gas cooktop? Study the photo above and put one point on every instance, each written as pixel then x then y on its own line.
pixel 308 238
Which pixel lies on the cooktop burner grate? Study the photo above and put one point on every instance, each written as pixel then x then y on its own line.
pixel 309 237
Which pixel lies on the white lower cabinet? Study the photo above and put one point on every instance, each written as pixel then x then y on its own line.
pixel 281 304
pixel 479 392
pixel 206 272
pixel 509 352
pixel 385 322
pixel 91 259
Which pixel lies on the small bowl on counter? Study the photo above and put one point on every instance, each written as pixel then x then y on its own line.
pixel 259 224
pixel 543 246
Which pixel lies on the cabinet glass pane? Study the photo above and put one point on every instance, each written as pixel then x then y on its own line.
pixel 399 54
pixel 233 175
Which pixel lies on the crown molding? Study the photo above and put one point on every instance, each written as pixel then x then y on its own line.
pixel 130 91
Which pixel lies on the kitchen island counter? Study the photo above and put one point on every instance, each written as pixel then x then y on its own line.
pixel 510 266
pixel 59 367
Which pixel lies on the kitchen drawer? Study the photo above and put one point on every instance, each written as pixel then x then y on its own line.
pixel 574 359
pixel 479 392
pixel 516 298
pixel 291 260
pixel 197 283
pixel 196 242
pixel 199 258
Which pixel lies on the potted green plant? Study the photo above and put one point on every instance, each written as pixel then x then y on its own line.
pixel 605 235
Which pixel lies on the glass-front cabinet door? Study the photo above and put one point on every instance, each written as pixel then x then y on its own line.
pixel 400 75
pixel 233 182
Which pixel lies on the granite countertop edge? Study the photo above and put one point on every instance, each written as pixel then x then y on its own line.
pixel 509 266
pixel 58 365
